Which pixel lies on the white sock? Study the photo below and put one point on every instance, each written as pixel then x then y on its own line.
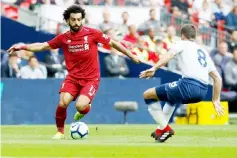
pixel 156 112
pixel 168 110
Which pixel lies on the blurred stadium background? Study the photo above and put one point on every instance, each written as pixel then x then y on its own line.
pixel 147 28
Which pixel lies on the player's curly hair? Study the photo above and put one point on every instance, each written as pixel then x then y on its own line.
pixel 73 9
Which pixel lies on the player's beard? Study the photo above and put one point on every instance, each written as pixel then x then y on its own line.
pixel 75 28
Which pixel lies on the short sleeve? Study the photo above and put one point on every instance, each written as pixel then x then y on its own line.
pixel 210 64
pixel 175 48
pixel 99 37
pixel 55 42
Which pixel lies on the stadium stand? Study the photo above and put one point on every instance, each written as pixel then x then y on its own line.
pixel 147 36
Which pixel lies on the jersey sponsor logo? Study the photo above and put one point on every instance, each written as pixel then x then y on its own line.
pixel 79 47
pixel 76 48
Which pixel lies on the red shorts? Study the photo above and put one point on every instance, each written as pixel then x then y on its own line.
pixel 80 87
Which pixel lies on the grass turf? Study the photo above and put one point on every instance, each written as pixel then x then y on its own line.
pixel 121 141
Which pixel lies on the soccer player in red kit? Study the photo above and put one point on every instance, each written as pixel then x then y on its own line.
pixel 81 57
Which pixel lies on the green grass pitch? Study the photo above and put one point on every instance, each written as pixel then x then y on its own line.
pixel 121 141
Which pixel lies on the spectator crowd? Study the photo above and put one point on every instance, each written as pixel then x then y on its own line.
pixel 148 40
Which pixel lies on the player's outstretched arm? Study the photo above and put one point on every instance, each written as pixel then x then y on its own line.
pixel 216 92
pixel 34 47
pixel 163 60
pixel 116 45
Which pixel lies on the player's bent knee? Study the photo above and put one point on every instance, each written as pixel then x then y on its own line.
pixel 80 106
pixel 83 108
pixel 150 96
pixel 65 99
pixel 146 95
pixel 64 103
pixel 82 103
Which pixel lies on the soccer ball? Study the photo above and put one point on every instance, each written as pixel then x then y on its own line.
pixel 79 130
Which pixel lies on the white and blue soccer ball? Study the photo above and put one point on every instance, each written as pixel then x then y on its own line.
pixel 79 130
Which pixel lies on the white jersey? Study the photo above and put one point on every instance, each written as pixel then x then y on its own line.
pixel 194 61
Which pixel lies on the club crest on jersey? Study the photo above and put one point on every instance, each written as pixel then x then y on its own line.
pixel 86 39
pixel 69 41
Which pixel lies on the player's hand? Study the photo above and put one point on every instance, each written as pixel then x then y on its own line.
pixel 136 59
pixel 220 110
pixel 17 47
pixel 147 73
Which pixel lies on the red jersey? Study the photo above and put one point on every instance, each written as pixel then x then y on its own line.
pixel 81 51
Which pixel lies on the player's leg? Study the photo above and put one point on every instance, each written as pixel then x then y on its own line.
pixel 168 110
pixel 152 97
pixel 83 104
pixel 154 107
pixel 68 92
pixel 61 113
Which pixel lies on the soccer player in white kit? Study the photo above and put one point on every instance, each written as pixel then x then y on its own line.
pixel 196 67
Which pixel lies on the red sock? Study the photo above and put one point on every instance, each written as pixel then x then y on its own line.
pixel 61 115
pixel 86 110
